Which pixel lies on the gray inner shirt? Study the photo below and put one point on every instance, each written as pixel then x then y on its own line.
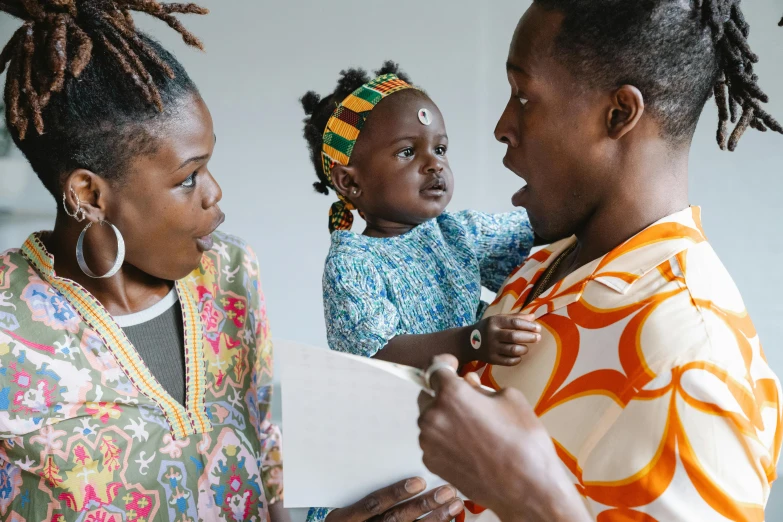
pixel 160 342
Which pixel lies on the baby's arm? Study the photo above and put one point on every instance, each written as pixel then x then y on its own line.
pixel 361 320
pixel 501 242
pixel 500 340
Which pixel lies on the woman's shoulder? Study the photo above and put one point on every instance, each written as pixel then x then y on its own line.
pixel 14 271
pixel 9 252
pixel 30 307
pixel 230 248
pixel 11 255
pixel 231 265
pixel 231 255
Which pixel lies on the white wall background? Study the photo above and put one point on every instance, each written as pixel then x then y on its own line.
pixel 262 56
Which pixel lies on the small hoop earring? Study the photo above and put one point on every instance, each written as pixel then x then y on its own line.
pixel 79 214
pixel 117 262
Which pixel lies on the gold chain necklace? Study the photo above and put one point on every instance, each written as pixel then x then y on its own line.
pixel 544 281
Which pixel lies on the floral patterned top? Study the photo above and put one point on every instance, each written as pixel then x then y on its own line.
pixel 87 433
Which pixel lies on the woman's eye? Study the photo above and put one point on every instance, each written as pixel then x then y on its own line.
pixel 406 153
pixel 190 182
pixel 441 150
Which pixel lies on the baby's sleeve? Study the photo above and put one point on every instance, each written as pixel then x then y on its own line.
pixel 501 242
pixel 360 319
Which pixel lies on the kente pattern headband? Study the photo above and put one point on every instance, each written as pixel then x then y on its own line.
pixel 342 131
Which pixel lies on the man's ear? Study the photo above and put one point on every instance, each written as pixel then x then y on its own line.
pixel 625 111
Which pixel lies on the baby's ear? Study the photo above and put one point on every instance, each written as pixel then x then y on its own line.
pixel 344 181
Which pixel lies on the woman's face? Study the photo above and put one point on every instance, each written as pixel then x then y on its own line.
pixel 166 206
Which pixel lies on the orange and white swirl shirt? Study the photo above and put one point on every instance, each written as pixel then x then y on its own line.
pixel 650 379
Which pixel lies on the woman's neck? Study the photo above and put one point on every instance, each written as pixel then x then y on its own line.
pixel 127 292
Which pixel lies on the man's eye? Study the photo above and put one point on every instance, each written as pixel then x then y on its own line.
pixel 190 182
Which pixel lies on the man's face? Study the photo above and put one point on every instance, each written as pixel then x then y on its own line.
pixel 556 132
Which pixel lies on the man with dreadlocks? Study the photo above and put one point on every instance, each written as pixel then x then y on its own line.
pixel 135 359
pixel 648 397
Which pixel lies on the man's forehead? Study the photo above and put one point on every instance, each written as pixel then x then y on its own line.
pixel 534 38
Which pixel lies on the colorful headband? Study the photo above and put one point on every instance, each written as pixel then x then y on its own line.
pixel 342 131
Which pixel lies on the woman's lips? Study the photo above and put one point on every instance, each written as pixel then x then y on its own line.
pixel 206 242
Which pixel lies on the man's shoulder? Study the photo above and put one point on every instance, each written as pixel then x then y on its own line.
pixel 694 313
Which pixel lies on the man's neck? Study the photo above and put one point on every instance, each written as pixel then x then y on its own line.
pixel 651 190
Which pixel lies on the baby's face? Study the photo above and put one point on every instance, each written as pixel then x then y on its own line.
pixel 401 162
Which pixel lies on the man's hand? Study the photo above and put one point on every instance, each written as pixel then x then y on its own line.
pixel 495 450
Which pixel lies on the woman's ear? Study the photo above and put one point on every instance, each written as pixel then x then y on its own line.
pixel 86 191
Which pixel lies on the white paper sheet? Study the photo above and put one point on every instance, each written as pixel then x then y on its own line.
pixel 349 426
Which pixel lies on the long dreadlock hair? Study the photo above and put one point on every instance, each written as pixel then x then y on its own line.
pixel 319 110
pixel 677 55
pixel 736 89
pixel 82 82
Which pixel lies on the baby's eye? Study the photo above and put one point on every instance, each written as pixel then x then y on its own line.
pixel 406 153
pixel 441 150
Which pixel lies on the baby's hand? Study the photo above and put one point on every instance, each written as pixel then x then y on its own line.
pixel 504 339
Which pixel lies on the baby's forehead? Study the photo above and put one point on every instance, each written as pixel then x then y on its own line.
pixel 405 108
pixel 407 98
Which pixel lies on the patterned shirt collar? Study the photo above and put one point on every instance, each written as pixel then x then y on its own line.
pixel 618 270
pixel 35 252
